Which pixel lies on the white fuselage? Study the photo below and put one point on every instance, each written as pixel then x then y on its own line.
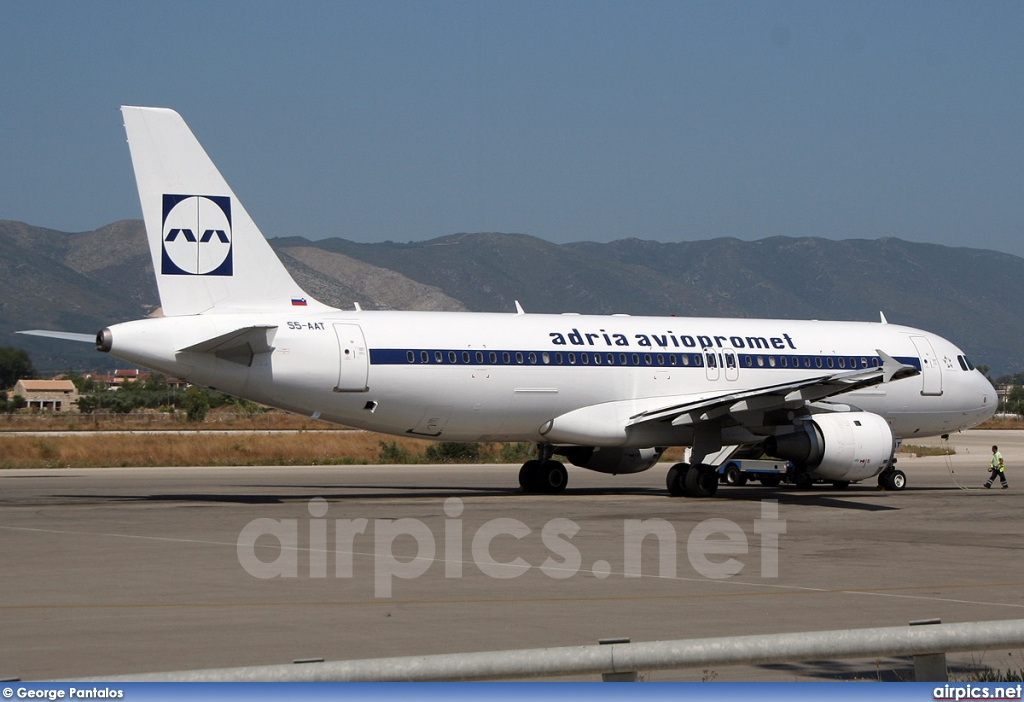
pixel 505 377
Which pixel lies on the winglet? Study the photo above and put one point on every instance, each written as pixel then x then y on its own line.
pixel 519 308
pixel 893 369
pixel 883 320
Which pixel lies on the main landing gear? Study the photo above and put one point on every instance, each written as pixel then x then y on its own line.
pixel 892 479
pixel 546 477
pixel 692 481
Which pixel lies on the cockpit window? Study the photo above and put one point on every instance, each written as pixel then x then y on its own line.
pixel 963 362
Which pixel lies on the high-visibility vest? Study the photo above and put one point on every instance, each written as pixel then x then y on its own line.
pixel 997 462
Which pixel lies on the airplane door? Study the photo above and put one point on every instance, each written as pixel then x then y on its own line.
pixel 732 365
pixel 711 364
pixel 931 373
pixel 354 368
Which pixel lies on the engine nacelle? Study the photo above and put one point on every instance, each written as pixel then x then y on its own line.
pixel 838 446
pixel 615 461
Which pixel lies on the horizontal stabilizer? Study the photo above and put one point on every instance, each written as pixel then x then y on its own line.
pixel 66 336
pixel 238 346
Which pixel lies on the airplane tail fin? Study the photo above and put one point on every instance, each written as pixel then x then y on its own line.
pixel 208 254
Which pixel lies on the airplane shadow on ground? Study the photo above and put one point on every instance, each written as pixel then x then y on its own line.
pixel 851 500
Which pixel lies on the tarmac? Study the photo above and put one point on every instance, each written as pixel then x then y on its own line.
pixel 115 571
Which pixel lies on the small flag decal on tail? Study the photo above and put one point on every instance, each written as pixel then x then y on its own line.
pixel 298 302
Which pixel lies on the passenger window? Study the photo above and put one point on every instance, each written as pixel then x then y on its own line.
pixel 465 356
pixel 493 356
pixel 479 356
pixel 519 356
pixel 546 357
pixel 424 357
pixel 438 358
pixel 533 358
pixel 505 357
pixel 451 357
pixel 411 356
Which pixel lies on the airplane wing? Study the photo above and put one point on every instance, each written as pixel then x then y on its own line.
pixel 610 423
pixel 795 394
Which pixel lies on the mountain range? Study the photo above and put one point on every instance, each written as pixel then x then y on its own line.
pixel 84 281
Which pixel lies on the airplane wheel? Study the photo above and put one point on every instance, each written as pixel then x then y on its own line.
pixel 803 481
pixel 770 480
pixel 528 476
pixel 552 477
pixel 896 480
pixel 701 481
pixel 674 479
pixel 841 484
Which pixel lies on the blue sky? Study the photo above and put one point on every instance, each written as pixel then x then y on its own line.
pixel 566 120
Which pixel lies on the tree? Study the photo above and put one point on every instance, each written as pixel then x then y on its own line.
pixel 1015 401
pixel 197 404
pixel 14 366
pixel 11 404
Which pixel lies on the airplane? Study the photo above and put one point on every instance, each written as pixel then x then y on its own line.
pixel 607 393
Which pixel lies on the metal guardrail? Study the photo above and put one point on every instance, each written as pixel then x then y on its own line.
pixel 616 659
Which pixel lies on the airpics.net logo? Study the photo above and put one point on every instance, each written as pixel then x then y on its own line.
pixel 196 238
pixel 716 548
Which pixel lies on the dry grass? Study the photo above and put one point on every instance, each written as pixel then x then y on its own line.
pixel 197 449
pixel 201 446
pixel 159 421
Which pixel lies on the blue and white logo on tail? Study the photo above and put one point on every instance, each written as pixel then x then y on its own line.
pixel 196 237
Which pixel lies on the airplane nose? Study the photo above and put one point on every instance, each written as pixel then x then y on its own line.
pixel 985 393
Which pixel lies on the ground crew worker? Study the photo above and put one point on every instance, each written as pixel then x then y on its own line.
pixel 997 467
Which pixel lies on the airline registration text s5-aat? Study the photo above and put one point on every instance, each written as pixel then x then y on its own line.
pixel 607 393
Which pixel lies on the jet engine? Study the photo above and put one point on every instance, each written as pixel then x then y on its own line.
pixel 845 446
pixel 611 460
